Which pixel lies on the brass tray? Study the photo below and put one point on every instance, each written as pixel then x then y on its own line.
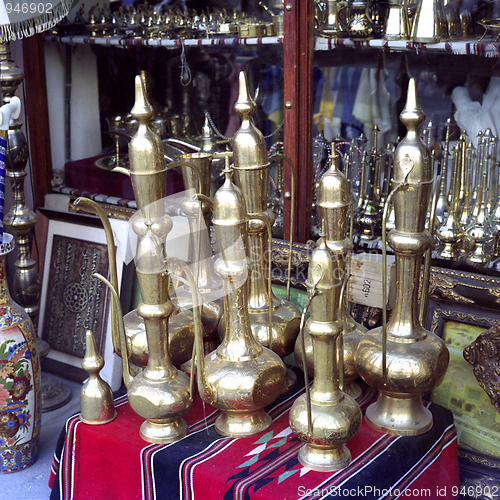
pixel 109 162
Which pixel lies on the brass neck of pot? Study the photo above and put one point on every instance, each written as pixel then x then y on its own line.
pixel 155 309
pixel 404 324
pixel 239 343
pixel 324 325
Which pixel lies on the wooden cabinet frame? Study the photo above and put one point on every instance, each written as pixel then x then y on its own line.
pixel 298 44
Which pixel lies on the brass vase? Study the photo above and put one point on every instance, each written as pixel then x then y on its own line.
pixel 251 175
pixel 449 233
pixel 403 360
pixel 334 209
pixel 20 405
pixel 241 376
pixel 480 232
pixel 325 418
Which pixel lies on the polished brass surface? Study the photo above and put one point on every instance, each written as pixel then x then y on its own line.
pixel 480 231
pixel 325 418
pixel 429 25
pixel 449 232
pixel 251 175
pixel 241 376
pixel 335 20
pixel 397 26
pixel 199 247
pixel 403 361
pixel 368 217
pixel 334 203
pixel 160 393
pixel 96 398
pixel 442 207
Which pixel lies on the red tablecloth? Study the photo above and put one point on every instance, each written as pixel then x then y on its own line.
pixel 111 461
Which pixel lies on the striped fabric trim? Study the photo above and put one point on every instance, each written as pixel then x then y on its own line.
pixel 447 438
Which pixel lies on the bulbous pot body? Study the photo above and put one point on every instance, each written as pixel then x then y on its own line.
pixel 414 367
pixel 242 388
pixel 325 450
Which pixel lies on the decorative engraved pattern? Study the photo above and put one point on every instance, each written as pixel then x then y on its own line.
pixel 75 302
pixel 472 319
pixel 483 488
pixel 484 355
pixel 443 281
pixel 444 285
pixel 75 297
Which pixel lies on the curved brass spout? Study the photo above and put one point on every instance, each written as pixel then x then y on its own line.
pixel 115 300
pixel 113 274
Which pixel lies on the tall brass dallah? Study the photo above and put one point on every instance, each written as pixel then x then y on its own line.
pixel 241 376
pixel 148 175
pixel 405 361
pixel 160 393
pixel 334 207
pixel 326 418
pixel 251 175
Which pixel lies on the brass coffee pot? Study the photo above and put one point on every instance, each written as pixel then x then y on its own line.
pixel 148 173
pixel 402 359
pixel 334 207
pixel 335 22
pixel 241 376
pixel 251 175
pixel 160 393
pixel 325 418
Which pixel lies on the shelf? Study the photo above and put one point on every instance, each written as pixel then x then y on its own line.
pixel 462 47
pixel 122 41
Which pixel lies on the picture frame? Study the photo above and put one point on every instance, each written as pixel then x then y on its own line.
pixel 461 306
pixel 72 300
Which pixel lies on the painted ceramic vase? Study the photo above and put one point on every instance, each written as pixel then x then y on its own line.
pixel 20 401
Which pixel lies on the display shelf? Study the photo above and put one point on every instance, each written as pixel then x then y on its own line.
pixel 123 41
pixel 463 47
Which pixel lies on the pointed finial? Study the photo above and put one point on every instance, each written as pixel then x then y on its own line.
pixel 142 110
pixel 96 398
pixel 412 115
pixel 244 106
